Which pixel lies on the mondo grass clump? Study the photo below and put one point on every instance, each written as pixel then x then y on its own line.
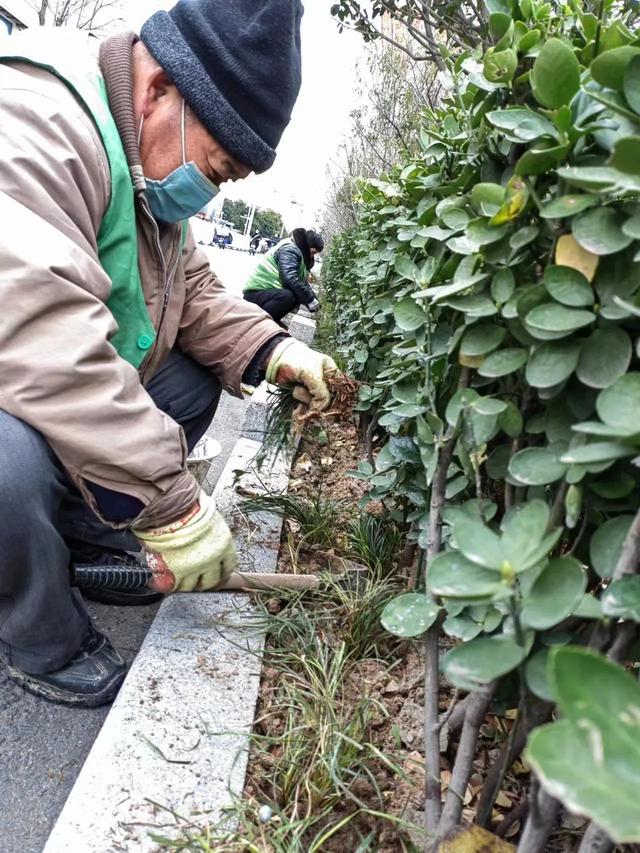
pixel 287 418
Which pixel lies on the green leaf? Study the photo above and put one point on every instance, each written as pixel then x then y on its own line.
pixel 453 576
pixel 600 231
pixel 488 406
pixel 589 608
pixel 406 391
pixel 405 267
pixel 478 543
pixel 605 356
pixel 597 178
pixel 500 65
pixel 626 155
pixel 482 233
pixel 500 24
pixel 461 627
pixel 631 83
pixel 590 760
pixel 482 338
pixel 503 286
pixel 541 157
pixel 568 286
pixel 521 124
pixel 480 661
pixel 523 237
pixel 555 76
pixel 619 404
pixel 409 615
pixel 552 363
pixel 503 362
pixel 606 544
pixel 610 67
pixel 551 317
pixel 555 594
pixel 455 218
pixel 511 421
pixel 603 430
pixel 487 198
pixel 599 451
pixel 568 205
pixel 632 227
pixel 621 600
pixel 613 485
pixel 535 674
pixel 536 466
pixel 523 539
pixel 408 315
pixel 457 403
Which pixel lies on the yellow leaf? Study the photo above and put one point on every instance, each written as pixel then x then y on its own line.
pixel 470 360
pixel 474 839
pixel 517 196
pixel 569 253
pixel 503 800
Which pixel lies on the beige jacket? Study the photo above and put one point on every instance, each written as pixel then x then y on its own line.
pixel 58 371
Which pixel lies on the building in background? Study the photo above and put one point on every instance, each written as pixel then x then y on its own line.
pixel 9 20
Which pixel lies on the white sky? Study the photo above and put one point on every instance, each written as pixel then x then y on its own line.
pixel 319 122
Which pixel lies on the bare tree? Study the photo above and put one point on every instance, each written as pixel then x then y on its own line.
pixel 81 14
pixel 419 28
pixel 394 92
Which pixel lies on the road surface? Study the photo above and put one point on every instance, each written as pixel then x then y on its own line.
pixel 43 746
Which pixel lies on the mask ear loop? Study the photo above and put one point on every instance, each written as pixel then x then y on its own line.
pixel 140 130
pixel 184 145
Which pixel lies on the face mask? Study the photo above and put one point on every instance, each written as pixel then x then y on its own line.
pixel 182 193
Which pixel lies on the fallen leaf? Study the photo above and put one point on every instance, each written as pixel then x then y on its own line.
pixel 474 839
pixel 503 800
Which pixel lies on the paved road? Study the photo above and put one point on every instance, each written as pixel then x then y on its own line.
pixel 43 747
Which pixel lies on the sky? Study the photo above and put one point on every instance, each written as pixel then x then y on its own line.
pixel 296 185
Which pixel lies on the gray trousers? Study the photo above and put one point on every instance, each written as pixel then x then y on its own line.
pixel 43 621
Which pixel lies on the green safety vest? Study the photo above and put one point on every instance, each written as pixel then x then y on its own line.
pixel 266 275
pixel 117 240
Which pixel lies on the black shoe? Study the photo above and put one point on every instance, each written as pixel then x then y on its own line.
pixel 92 678
pixel 83 554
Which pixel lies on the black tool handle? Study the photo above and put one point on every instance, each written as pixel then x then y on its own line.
pixel 111 577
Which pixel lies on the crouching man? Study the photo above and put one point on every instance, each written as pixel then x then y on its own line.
pixel 116 339
pixel 279 284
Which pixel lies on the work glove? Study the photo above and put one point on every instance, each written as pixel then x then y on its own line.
pixel 194 553
pixel 295 364
pixel 313 306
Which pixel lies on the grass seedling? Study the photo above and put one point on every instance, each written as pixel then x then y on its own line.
pixel 318 518
pixel 374 541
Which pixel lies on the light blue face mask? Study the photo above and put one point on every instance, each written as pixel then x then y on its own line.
pixel 182 193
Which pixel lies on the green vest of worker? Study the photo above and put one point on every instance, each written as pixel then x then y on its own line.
pixel 117 241
pixel 266 275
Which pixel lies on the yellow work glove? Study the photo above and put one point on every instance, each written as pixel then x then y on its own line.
pixel 194 553
pixel 295 364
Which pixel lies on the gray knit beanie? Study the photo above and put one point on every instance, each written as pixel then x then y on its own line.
pixel 237 64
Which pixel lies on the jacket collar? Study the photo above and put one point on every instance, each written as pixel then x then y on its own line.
pixel 116 66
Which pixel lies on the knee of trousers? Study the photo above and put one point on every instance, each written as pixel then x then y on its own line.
pixel 28 468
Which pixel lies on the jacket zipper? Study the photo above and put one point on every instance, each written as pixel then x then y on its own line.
pixel 167 286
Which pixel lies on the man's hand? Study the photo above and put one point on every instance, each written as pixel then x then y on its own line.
pixel 296 365
pixel 194 553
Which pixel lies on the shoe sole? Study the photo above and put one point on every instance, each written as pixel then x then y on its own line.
pixel 64 697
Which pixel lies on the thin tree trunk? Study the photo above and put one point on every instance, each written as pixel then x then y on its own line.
pixel 543 812
pixel 595 840
pixel 42 12
pixel 463 767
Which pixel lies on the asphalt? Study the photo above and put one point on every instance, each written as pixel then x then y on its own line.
pixel 43 746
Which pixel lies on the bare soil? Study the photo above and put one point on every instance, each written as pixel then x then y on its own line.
pixel 394 682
